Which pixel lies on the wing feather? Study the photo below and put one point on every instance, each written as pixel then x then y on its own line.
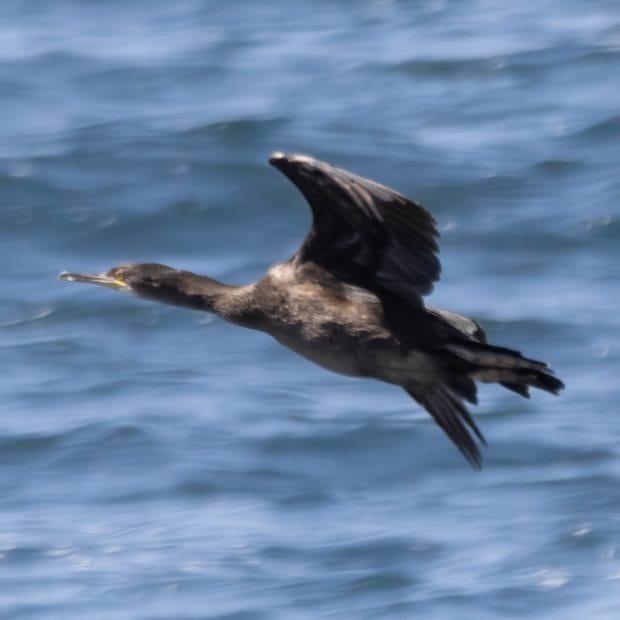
pixel 364 233
pixel 447 409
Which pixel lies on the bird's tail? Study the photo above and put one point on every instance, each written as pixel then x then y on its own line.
pixel 490 364
pixel 475 361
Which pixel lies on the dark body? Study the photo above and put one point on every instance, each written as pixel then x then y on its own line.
pixel 351 300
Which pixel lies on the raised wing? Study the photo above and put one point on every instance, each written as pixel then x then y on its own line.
pixel 364 233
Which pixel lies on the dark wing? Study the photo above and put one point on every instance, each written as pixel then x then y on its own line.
pixel 465 325
pixel 445 404
pixel 364 233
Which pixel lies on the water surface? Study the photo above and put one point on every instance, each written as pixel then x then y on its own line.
pixel 159 464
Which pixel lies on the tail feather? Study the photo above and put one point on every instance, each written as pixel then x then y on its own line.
pixel 522 390
pixel 509 368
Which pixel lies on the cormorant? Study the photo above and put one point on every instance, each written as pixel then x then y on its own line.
pixel 351 300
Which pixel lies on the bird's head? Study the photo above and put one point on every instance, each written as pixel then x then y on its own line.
pixel 149 280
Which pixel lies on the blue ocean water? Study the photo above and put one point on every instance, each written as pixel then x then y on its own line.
pixel 156 463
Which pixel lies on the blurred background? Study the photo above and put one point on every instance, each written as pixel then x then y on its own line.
pixel 156 463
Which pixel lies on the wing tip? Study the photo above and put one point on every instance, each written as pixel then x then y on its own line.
pixel 282 160
pixel 277 158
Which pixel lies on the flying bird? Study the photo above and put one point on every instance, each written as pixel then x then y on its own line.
pixel 351 300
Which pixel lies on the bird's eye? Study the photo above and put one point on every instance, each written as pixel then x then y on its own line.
pixel 118 273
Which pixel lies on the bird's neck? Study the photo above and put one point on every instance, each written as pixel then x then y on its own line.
pixel 232 303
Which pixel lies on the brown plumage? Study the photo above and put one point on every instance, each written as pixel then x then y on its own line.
pixel 351 300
